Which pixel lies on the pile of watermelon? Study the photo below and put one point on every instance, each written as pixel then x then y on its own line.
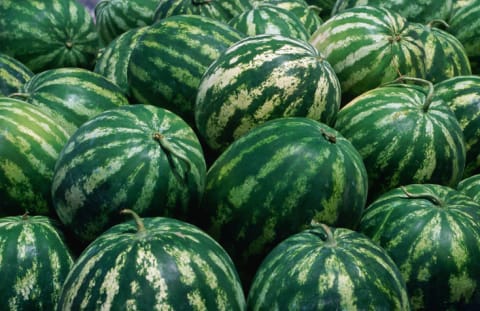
pixel 240 154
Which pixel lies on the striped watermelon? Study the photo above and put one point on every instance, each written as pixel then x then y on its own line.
pixel 326 268
pixel 432 233
pixel 71 96
pixel 465 26
pixel 220 10
pixel 462 94
pixel 116 17
pixel 30 143
pixel 13 74
pixel 423 11
pixel 445 55
pixel 276 179
pixel 156 264
pixel 112 62
pixel 471 187
pixel 324 7
pixel 45 34
pixel 169 60
pixel 266 18
pixel 368 46
pixel 262 78
pixel 34 262
pixel 404 137
pixel 300 8
pixel 139 156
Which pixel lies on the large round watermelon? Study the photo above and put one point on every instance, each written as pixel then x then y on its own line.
pixel 34 262
pixel 45 34
pixel 13 74
pixel 327 268
pixel 432 233
pixel 274 181
pixel 140 157
pixel 153 264
pixel 262 78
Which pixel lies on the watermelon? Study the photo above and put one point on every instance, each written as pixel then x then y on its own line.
pixel 431 232
pixel 266 18
pixel 167 63
pixel 220 10
pixel 369 46
pixel 300 8
pixel 71 96
pixel 423 11
pixel 13 74
pixel 273 181
pixel 465 26
pixel 462 94
pixel 262 78
pixel 46 34
pixel 445 55
pixel 112 62
pixel 323 7
pixel 154 263
pixel 327 268
pixel 30 143
pixel 113 18
pixel 471 187
pixel 34 262
pixel 405 135
pixel 139 156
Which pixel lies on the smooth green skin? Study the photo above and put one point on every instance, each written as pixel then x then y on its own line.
pixel 169 262
pixel 46 34
pixel 431 232
pixel 401 142
pixel 471 187
pixel 326 268
pixel 35 261
pixel 462 94
pixel 13 74
pixel 30 142
pixel 423 11
pixel 71 96
pixel 114 161
pixel 276 179
pixel 307 14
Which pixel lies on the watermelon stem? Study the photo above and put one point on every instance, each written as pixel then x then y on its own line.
pixel 435 22
pixel 138 220
pixel 328 238
pixel 22 96
pixel 330 137
pixel 169 148
pixel 428 196
pixel 428 99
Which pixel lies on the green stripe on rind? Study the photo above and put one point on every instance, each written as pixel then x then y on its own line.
pixel 464 24
pixel 300 8
pixel 471 187
pixel 369 46
pixel 307 271
pixel 462 94
pixel 116 17
pixel 264 18
pixel 71 96
pixel 168 62
pixel 415 11
pixel 399 143
pixel 445 56
pixel 170 266
pixel 113 162
pixel 13 74
pixel 31 142
pixel 34 262
pixel 275 180
pixel 429 243
pixel 113 62
pixel 207 8
pixel 262 78
pixel 44 31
